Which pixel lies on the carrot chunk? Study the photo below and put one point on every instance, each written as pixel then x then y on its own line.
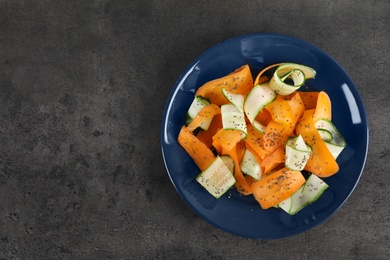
pixel 280 111
pixel 236 154
pixel 197 150
pixel 309 99
pixel 321 161
pixel 323 108
pixel 255 141
pixel 238 82
pixel 206 137
pixel 271 161
pixel 276 187
pixel 297 108
pixel 275 136
pixel 264 117
pixel 228 138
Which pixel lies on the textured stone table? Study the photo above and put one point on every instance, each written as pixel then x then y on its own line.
pixel 83 85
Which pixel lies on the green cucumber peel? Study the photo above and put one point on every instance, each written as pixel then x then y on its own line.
pixel 296 72
pixel 233 119
pixel 260 96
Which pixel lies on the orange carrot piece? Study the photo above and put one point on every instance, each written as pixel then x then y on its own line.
pixel 321 161
pixel 217 146
pixel 254 140
pixel 280 111
pixel 241 184
pixel 228 138
pixel 250 180
pixel 260 76
pixel 262 79
pixel 207 113
pixel 238 82
pixel 297 108
pixel 275 136
pixel 323 108
pixel 197 150
pixel 276 187
pixel 271 169
pixel 309 99
pixel 264 117
pixel 206 137
pixel 271 161
pixel 240 150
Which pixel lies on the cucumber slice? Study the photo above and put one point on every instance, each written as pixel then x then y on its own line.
pixel 310 192
pixel 233 118
pixel 294 203
pixel 298 201
pixel 235 99
pixel 217 178
pixel 260 96
pixel 296 72
pixel 250 165
pixel 337 143
pixel 325 135
pixel 297 153
pixel 325 124
pixel 197 104
pixel 314 188
pixel 286 204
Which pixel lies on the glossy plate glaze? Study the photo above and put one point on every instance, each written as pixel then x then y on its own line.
pixel 242 215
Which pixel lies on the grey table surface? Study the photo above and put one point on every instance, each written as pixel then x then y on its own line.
pixel 83 85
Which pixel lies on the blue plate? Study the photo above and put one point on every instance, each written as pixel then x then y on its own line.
pixel 242 215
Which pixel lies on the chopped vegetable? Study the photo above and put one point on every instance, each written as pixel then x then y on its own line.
pixel 238 82
pixel 217 178
pixel 250 165
pixel 197 150
pixel 323 108
pixel 271 161
pixel 321 161
pixel 276 187
pixel 297 153
pixel 307 194
pixel 309 99
pixel 290 71
pixel 207 136
pixel 236 154
pixel 255 101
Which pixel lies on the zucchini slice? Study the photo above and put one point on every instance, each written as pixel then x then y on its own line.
pixel 217 178
pixel 314 188
pixel 297 153
pixel 295 72
pixel 260 96
pixel 311 191
pixel 233 118
pixel 337 142
pixel 294 203
pixel 235 99
pixel 250 166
